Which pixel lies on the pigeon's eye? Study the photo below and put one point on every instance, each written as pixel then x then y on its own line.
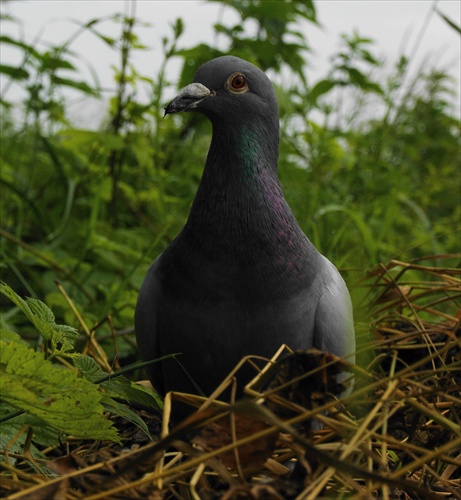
pixel 237 83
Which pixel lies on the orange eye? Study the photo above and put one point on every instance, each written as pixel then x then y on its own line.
pixel 238 82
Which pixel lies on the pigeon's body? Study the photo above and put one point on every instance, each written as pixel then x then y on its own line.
pixel 241 278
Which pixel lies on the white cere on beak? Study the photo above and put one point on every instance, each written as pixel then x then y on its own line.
pixel 194 91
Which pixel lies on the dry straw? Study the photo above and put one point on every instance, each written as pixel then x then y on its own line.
pixel 298 434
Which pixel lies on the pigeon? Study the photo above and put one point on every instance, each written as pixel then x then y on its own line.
pixel 241 278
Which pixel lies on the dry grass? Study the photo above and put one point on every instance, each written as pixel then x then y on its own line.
pixel 396 435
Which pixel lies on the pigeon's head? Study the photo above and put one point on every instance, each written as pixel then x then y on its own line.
pixel 230 90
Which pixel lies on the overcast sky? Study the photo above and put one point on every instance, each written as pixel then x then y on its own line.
pixel 394 25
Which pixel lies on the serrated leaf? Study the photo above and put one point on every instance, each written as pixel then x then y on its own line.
pixel 56 395
pixel 61 337
pixel 38 308
pixel 88 367
pixel 117 386
pixel 13 437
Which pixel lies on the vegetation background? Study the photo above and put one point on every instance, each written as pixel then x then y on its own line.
pixel 369 162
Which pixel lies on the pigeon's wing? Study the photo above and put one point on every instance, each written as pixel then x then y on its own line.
pixel 334 325
pixel 146 324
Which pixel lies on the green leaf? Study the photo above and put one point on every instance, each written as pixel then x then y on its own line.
pixel 9 336
pixel 53 61
pixel 121 387
pixel 15 72
pixel 121 410
pixel 13 437
pixel 66 82
pixel 178 27
pixel 22 45
pixel 56 395
pixel 16 437
pixel 61 337
pixel 88 367
pixel 450 23
pixel 319 89
pixel 117 386
pixel 106 39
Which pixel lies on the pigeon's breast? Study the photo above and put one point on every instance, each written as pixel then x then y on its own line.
pixel 215 329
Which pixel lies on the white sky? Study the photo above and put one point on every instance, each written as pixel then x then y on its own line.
pixel 394 25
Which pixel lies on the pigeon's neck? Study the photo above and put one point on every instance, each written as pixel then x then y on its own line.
pixel 256 152
pixel 239 203
pixel 240 175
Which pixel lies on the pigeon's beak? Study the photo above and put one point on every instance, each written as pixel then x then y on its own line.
pixel 188 98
